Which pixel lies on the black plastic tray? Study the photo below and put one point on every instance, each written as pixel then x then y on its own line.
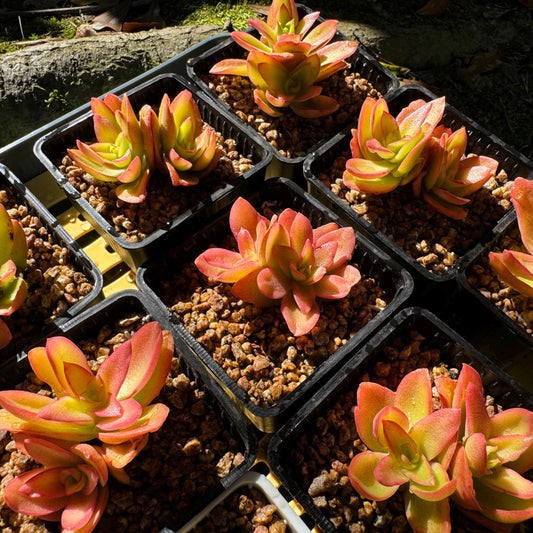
pixel 78 257
pixel 381 78
pixel 372 262
pixel 454 351
pixel 131 301
pixel 480 141
pixel 54 145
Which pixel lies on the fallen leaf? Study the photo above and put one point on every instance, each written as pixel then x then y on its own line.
pixel 434 7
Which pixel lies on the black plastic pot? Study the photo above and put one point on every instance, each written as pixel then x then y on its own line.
pixel 258 482
pixel 76 254
pixel 128 303
pixel 382 79
pixel 53 146
pixel 454 351
pixel 513 327
pixel 480 141
pixel 396 283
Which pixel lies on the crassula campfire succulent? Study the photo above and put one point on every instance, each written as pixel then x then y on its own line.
pixel 124 151
pixel 513 267
pixel 409 445
pixel 70 487
pixel 491 455
pixel 449 175
pixel 60 432
pixel 13 255
pixel 189 149
pixel 284 259
pixel 129 148
pixel 113 405
pixel 388 152
pixel 288 60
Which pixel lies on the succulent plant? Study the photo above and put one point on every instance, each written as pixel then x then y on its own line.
pixel 125 150
pixel 514 267
pixel 113 405
pixel 492 453
pixel 288 60
pixel 409 444
pixel 284 259
pixel 70 487
pixel 449 175
pixel 13 255
pixel 189 150
pixel 388 152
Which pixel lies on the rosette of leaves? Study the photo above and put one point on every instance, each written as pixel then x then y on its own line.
pixel 284 259
pixel 388 152
pixel 491 455
pixel 13 256
pixel 409 446
pixel 125 147
pixel 288 61
pixel 449 175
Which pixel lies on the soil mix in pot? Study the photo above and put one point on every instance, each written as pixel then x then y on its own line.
pixel 430 238
pixel 254 345
pixel 481 277
pixel 192 451
pixel 164 202
pixel 54 281
pixel 319 458
pixel 291 135
pixel 246 510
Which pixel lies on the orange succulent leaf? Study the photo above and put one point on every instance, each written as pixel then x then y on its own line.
pixel 427 516
pixel 515 269
pixel 522 198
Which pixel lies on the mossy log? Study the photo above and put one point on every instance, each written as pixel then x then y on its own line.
pixel 40 82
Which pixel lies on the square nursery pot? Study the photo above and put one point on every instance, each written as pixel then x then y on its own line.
pixel 509 308
pixel 135 231
pixel 430 244
pixel 61 279
pixel 251 502
pixel 264 368
pixel 293 137
pixel 203 447
pixel 310 454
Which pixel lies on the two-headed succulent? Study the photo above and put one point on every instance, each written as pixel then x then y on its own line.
pixel 13 255
pixel 288 60
pixel 113 406
pixel 388 152
pixel 456 450
pixel 514 267
pixel 284 259
pixel 130 148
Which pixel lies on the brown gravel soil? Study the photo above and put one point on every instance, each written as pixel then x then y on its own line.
pixel 319 457
pixel 481 277
pixel 254 345
pixel 164 202
pixel 246 510
pixel 189 455
pixel 291 135
pixel 55 281
pixel 433 240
